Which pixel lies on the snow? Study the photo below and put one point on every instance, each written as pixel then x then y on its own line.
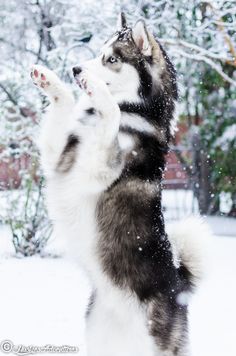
pixel 222 226
pixel 213 311
pixel 181 203
pixel 43 300
pixel 178 203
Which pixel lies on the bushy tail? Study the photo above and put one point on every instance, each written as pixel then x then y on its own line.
pixel 190 239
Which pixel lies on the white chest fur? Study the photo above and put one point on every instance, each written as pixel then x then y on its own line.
pixel 118 325
pixel 74 216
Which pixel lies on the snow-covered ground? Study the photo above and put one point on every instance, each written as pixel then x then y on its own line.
pixel 213 309
pixel 43 301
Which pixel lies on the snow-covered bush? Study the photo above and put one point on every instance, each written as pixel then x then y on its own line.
pixel 26 215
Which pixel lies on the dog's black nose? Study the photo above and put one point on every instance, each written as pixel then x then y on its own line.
pixel 76 70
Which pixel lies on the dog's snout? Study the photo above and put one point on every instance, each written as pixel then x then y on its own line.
pixel 76 70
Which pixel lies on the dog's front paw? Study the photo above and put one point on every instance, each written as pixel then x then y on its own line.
pixel 40 77
pixel 86 82
pixel 92 85
pixel 53 87
pixel 98 91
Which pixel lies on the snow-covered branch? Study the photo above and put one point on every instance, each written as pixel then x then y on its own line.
pixel 195 48
pixel 210 62
pixel 13 100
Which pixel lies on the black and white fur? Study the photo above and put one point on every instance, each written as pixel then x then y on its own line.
pixel 103 158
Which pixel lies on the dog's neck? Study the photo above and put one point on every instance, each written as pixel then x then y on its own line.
pixel 128 96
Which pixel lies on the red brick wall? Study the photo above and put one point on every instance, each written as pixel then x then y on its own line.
pixel 175 177
pixel 9 172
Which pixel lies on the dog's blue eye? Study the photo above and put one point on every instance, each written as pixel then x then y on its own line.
pixel 112 59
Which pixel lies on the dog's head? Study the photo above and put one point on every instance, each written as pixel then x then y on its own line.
pixel 133 64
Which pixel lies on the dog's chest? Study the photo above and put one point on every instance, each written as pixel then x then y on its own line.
pixel 74 216
pixel 84 236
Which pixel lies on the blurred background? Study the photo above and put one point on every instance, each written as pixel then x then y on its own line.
pixel 200 178
pixel 200 37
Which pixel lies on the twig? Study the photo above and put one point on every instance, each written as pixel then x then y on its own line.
pixel 211 63
pixel 193 47
pixel 10 97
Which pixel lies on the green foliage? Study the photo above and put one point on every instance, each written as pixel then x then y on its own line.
pixel 218 128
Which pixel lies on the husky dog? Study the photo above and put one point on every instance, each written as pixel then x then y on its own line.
pixel 103 159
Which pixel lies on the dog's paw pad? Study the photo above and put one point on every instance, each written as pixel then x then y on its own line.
pixel 36 73
pixel 84 83
pixel 39 78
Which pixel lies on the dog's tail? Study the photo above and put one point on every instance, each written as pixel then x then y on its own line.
pixel 190 240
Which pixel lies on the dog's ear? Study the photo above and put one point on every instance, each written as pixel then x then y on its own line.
pixel 141 38
pixel 121 21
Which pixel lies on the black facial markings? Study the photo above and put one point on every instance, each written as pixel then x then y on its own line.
pixel 125 34
pixel 132 55
pixel 118 53
pixel 68 156
pixel 158 106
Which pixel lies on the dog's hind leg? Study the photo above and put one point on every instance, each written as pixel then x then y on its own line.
pixel 168 324
pixel 59 121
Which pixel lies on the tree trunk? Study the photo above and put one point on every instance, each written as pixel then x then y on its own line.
pixel 201 182
pixel 233 207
